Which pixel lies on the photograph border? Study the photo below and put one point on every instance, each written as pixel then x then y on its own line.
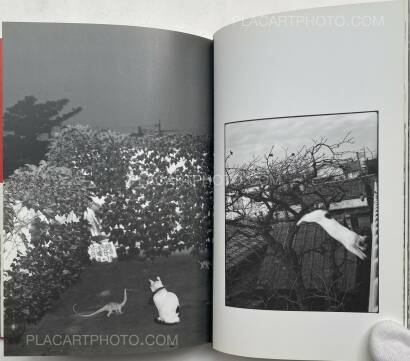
pixel 378 195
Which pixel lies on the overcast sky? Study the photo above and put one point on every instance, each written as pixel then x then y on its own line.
pixel 255 138
pixel 121 76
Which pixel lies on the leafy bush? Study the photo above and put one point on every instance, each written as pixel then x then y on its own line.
pixel 157 189
pixel 53 261
pixel 49 189
pixel 56 252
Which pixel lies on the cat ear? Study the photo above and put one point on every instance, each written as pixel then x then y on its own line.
pixel 159 279
pixel 150 281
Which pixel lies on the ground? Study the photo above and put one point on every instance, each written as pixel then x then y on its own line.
pixel 103 283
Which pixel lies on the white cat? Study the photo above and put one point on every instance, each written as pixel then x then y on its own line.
pixel 167 303
pixel 352 241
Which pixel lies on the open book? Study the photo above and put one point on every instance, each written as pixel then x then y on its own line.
pixel 163 190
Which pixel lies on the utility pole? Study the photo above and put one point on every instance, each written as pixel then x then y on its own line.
pixel 158 125
pixel 163 131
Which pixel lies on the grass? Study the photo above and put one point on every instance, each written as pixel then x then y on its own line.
pixel 103 283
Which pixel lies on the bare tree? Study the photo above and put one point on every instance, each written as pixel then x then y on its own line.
pixel 283 185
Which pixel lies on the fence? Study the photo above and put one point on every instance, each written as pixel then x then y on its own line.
pixel 374 270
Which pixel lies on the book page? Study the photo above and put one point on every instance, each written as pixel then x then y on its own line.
pixel 107 191
pixel 309 246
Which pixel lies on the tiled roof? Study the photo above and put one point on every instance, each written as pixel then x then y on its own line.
pixel 311 242
pixel 316 247
pixel 242 244
pixel 325 262
pixel 348 188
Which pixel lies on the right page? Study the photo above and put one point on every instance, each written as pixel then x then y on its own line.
pixel 310 123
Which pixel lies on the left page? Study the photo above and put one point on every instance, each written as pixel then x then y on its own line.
pixel 107 191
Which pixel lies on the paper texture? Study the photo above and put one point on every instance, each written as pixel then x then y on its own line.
pixel 272 67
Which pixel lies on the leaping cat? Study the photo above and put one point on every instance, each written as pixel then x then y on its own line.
pixel 112 307
pixel 167 303
pixel 352 241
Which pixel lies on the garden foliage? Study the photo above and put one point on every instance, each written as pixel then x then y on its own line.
pixel 157 195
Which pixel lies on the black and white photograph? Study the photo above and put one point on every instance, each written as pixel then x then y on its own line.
pixel 108 189
pixel 301 213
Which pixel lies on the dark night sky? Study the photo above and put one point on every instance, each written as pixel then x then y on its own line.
pixel 121 76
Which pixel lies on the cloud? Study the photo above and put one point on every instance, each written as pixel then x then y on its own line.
pixel 250 139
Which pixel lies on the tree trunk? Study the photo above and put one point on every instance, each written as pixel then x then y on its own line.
pixel 293 260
